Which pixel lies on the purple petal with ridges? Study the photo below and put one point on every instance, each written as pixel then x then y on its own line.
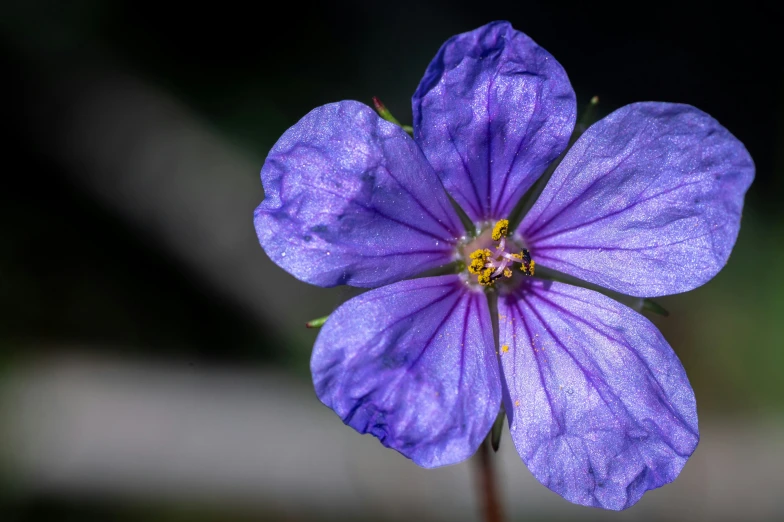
pixel 599 406
pixel 647 202
pixel 492 111
pixel 350 199
pixel 413 364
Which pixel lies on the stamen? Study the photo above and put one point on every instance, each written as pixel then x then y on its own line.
pixel 527 264
pixel 489 266
pixel 479 259
pixel 501 229
pixel 486 277
pixel 530 270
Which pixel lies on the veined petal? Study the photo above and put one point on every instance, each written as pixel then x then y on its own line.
pixel 647 202
pixel 413 364
pixel 492 111
pixel 600 408
pixel 350 199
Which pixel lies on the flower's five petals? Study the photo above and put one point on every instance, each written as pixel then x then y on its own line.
pixel 647 202
pixel 600 408
pixel 413 364
pixel 350 199
pixel 492 111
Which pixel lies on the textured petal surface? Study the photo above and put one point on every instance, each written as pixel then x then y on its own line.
pixel 350 199
pixel 492 111
pixel 413 364
pixel 647 202
pixel 600 408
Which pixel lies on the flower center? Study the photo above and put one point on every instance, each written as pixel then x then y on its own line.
pixel 491 264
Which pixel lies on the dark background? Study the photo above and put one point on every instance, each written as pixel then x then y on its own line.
pixel 134 133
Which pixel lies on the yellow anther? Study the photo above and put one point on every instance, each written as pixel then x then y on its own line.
pixel 478 259
pixel 485 278
pixel 517 403
pixel 482 253
pixel 501 229
pixel 504 349
pixel 526 263
pixel 528 269
pixel 488 266
pixel 476 266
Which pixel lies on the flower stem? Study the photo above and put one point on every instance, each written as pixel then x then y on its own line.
pixel 486 482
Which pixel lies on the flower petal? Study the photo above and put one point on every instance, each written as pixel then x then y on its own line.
pixel 647 202
pixel 413 364
pixel 492 111
pixel 600 408
pixel 350 199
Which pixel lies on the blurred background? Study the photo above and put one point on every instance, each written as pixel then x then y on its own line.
pixel 153 361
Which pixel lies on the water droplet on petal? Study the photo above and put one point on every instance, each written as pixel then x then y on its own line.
pixel 283 254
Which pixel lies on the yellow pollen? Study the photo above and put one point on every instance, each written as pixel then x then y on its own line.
pixel 517 403
pixel 490 265
pixel 529 268
pixel 501 229
pixel 478 260
pixel 526 263
pixel 504 349
pixel 485 278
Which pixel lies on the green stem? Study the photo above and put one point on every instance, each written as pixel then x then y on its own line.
pixel 317 323
pixel 382 111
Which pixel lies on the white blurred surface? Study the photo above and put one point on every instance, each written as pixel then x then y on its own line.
pixel 136 429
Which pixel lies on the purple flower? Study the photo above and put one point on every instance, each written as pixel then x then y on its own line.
pixel 647 202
